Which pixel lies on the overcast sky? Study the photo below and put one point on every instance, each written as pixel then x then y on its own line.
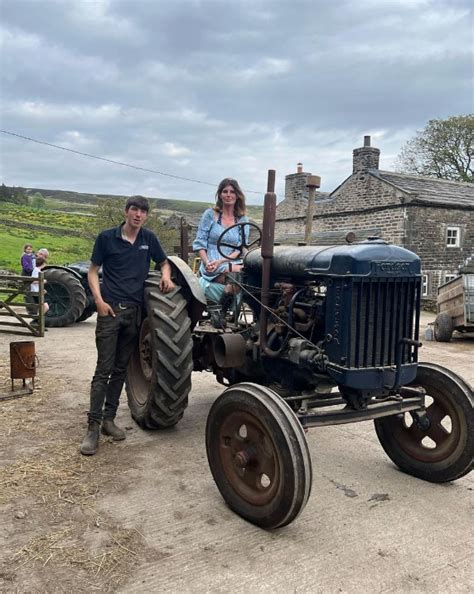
pixel 207 89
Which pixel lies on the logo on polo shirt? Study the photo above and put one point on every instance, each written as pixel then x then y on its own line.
pixel 143 247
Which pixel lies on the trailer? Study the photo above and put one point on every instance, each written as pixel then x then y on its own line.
pixel 455 306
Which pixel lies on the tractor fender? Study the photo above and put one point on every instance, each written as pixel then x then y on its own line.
pixel 66 268
pixel 191 288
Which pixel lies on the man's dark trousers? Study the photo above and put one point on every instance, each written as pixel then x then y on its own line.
pixel 115 338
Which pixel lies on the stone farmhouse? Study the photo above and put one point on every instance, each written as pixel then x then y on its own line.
pixel 432 217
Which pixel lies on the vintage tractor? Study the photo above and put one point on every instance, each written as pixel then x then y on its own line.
pixel 320 336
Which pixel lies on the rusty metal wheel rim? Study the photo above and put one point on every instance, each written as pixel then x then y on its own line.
pixel 250 459
pixel 145 350
pixel 446 439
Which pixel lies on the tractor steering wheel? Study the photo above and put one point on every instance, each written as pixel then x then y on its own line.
pixel 243 247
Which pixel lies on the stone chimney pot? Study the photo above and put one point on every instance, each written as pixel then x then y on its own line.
pixel 366 157
pixel 299 168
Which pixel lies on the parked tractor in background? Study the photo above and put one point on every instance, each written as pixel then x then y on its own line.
pixel 320 336
pixel 68 295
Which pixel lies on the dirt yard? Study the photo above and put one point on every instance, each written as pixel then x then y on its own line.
pixel 145 515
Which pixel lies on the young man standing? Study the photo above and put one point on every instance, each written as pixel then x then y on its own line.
pixel 124 253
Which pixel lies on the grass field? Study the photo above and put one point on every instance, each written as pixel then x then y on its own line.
pixel 64 226
pixel 53 232
pixel 63 250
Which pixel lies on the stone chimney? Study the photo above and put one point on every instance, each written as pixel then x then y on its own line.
pixel 295 189
pixel 366 157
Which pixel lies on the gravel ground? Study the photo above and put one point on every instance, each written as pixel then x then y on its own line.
pixel 145 516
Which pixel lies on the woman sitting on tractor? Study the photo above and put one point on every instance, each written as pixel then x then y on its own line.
pixel 229 210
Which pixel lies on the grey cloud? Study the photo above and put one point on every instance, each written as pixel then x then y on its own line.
pixel 206 89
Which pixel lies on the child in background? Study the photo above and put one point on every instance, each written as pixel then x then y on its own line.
pixel 27 260
pixel 40 264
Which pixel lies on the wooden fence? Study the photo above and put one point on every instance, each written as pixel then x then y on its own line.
pixel 20 313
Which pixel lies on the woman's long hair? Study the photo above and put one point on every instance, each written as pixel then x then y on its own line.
pixel 239 206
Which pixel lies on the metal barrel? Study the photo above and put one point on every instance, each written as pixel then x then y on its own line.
pixel 22 360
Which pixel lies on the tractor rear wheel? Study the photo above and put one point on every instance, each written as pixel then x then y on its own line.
pixel 258 455
pixel 159 373
pixel 65 296
pixel 444 450
pixel 89 310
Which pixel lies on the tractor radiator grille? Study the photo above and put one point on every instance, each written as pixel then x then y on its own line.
pixel 383 310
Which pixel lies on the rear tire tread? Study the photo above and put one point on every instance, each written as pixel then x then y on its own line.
pixel 76 294
pixel 171 345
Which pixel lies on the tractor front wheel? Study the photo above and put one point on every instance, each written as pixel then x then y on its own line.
pixel 258 455
pixel 443 450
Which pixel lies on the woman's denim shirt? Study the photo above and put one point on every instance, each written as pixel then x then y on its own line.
pixel 208 233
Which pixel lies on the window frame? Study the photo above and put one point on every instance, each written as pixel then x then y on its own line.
pixel 449 277
pixel 457 236
pixel 425 285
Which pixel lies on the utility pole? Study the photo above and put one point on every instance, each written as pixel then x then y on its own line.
pixel 314 181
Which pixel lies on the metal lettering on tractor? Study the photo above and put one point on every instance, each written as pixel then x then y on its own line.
pixel 392 267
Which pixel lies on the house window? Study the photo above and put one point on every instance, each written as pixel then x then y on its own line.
pixel 424 285
pixel 449 277
pixel 453 236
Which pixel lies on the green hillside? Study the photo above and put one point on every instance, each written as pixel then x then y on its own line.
pixel 64 224
pixel 63 234
pixel 81 202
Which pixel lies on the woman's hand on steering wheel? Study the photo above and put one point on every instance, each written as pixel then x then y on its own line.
pixel 241 248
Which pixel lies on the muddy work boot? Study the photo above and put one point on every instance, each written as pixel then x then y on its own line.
pixel 225 302
pixel 90 443
pixel 214 312
pixel 111 429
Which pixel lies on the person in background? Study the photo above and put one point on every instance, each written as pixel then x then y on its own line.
pixel 27 260
pixel 124 253
pixel 39 265
pixel 229 210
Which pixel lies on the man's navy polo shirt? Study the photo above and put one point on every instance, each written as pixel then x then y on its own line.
pixel 125 266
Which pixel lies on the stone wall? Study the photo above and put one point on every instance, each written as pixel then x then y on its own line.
pixel 389 223
pixel 361 191
pixel 363 201
pixel 426 236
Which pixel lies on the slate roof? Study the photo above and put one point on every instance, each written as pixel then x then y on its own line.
pixel 429 189
pixel 328 237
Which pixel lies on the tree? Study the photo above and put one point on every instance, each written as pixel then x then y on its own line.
pixel 19 196
pixel 110 213
pixel 444 149
pixel 38 201
pixel 5 194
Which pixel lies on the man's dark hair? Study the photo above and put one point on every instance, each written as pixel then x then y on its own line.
pixel 139 202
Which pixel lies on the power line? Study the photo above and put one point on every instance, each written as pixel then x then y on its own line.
pixel 63 148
